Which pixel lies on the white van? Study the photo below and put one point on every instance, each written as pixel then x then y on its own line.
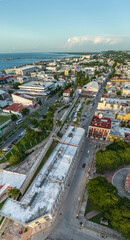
pixel 19 121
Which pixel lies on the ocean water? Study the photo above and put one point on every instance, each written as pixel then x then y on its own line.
pixel 18 59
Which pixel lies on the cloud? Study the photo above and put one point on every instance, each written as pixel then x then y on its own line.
pixel 80 40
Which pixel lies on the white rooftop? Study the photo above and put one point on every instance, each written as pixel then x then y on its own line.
pixel 36 84
pixel 76 136
pixel 91 86
pixel 43 193
pixel 2 92
pixel 14 180
pixel 25 67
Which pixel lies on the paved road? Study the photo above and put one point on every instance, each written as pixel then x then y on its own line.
pixel 43 110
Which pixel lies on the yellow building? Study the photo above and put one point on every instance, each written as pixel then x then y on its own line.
pixel 123 116
pixel 126 90
pixel 67 72
pixel 114 138
pixel 120 80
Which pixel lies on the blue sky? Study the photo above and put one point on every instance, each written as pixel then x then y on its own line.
pixel 64 25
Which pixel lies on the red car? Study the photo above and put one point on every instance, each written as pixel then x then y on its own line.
pixel 84 164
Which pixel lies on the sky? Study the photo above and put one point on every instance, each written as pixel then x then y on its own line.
pixel 64 25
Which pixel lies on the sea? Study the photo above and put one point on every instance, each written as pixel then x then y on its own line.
pixel 19 59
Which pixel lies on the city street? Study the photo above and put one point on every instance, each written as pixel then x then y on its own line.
pixel 42 111
pixel 66 225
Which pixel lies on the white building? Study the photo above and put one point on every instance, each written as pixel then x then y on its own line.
pixel 91 87
pixel 23 99
pixel 21 70
pixel 10 180
pixel 41 199
pixel 37 88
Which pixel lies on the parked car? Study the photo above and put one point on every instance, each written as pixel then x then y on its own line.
pixel 5 149
pixel 84 164
pixel 9 147
pixel 19 121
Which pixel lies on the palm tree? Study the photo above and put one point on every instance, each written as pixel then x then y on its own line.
pixel 2 154
pixel 58 123
pixel 13 193
pixel 23 143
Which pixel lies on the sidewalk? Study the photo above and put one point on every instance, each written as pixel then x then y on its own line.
pixel 91 214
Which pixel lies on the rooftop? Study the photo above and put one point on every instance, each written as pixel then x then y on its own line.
pixel 68 91
pixel 15 107
pixel 43 193
pixel 25 67
pixel 37 84
pixel 10 179
pixel 101 122
pixel 91 85
pixel 120 79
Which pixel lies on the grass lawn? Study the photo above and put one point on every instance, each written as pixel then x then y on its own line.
pixel 3 119
pixel 96 218
pixel 89 206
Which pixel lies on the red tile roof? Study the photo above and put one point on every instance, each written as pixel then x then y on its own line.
pixel 101 122
pixel 68 90
pixel 6 77
pixel 79 87
pixel 16 107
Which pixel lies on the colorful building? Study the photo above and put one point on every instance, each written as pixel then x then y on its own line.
pixel 123 116
pixel 120 80
pixel 99 127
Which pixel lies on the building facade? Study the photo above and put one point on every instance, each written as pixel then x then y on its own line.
pixel 99 127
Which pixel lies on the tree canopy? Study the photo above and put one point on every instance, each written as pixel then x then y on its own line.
pixel 25 111
pixel 115 155
pixel 81 79
pixel 14 117
pixel 103 194
pixel 113 207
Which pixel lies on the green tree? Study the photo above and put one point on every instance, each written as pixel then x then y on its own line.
pixel 2 154
pixel 14 159
pixel 13 193
pixel 23 143
pixel 120 220
pixel 16 85
pixel 72 93
pixel 103 194
pixel 105 91
pixel 118 93
pixel 88 102
pixel 55 76
pixel 33 121
pixel 107 160
pixel 14 117
pixel 25 111
pixel 58 123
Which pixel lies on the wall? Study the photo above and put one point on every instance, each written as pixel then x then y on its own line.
pixel 35 166
pixel 22 100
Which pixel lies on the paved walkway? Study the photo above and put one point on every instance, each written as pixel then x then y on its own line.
pixel 91 214
pixel 118 181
